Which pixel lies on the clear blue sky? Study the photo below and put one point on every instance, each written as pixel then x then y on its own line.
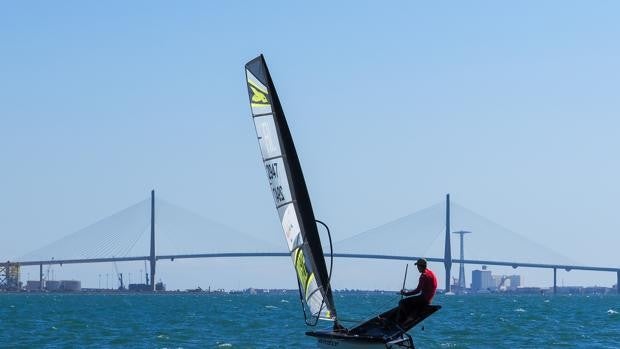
pixel 513 108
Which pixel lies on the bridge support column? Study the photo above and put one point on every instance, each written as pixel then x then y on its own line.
pixel 555 280
pixel 40 277
pixel 152 258
pixel 447 257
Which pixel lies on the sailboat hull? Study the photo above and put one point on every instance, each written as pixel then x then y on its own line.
pixel 386 330
pixel 327 340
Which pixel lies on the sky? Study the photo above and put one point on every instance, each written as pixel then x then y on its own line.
pixel 510 107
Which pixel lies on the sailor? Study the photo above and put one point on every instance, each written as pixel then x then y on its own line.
pixel 421 295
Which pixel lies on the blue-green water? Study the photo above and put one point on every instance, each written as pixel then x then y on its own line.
pixel 275 321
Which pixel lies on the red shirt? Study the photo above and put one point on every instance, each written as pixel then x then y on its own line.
pixel 427 285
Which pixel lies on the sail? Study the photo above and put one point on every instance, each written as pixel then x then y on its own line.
pixel 289 191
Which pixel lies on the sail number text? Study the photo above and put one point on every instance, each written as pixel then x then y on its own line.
pixel 274 182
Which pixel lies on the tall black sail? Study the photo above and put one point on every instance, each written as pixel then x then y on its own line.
pixel 289 190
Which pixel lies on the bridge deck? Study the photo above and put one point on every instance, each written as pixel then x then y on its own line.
pixel 513 264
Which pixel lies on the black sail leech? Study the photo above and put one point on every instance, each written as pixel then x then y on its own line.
pixel 289 190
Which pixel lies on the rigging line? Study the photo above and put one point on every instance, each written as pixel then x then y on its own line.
pixel 124 252
pixel 124 235
pixel 116 247
pixel 65 247
pixel 301 300
pixel 105 246
pixel 329 276
pixel 116 227
pixel 100 243
pixel 102 248
pixel 318 314
pixel 323 304
pixel 76 241
pixel 114 218
pixel 54 247
pixel 41 254
pixel 137 239
pixel 331 255
pixel 404 280
pixel 79 236
pixel 107 243
pixel 43 251
pixel 111 244
pixel 437 237
pixel 523 239
pixel 404 219
pixel 82 252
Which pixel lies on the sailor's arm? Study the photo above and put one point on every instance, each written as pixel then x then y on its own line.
pixel 417 289
pixel 410 293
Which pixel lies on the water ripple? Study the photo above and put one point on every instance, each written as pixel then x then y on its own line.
pixel 253 321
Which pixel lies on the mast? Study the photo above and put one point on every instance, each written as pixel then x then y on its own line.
pixel 152 255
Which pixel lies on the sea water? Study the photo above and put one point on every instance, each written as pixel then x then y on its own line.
pixel 202 320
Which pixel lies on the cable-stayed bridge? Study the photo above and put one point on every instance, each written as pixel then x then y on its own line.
pixel 154 230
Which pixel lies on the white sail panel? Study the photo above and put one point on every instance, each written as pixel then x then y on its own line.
pixel 278 181
pixel 290 225
pixel 267 136
pixel 315 301
pixel 307 282
pixel 259 100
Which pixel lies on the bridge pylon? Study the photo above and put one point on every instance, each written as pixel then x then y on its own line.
pixel 462 284
pixel 152 257
pixel 447 257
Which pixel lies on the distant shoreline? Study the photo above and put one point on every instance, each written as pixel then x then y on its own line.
pixel 573 290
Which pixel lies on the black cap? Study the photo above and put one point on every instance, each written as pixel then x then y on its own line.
pixel 421 262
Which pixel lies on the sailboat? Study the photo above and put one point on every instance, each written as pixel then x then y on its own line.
pixel 292 201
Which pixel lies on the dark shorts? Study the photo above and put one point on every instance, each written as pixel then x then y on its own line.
pixel 412 304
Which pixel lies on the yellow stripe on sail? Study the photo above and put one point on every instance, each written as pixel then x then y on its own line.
pixel 302 272
pixel 258 98
pixel 257 87
pixel 308 282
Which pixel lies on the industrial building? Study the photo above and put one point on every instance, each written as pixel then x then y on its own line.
pixel 482 280
pixel 507 282
pixel 9 277
pixel 54 285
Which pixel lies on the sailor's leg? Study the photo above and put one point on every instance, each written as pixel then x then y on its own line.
pixel 412 307
pixel 405 306
pixel 408 308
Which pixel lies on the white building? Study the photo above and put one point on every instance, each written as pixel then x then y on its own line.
pixel 482 280
pixel 507 282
